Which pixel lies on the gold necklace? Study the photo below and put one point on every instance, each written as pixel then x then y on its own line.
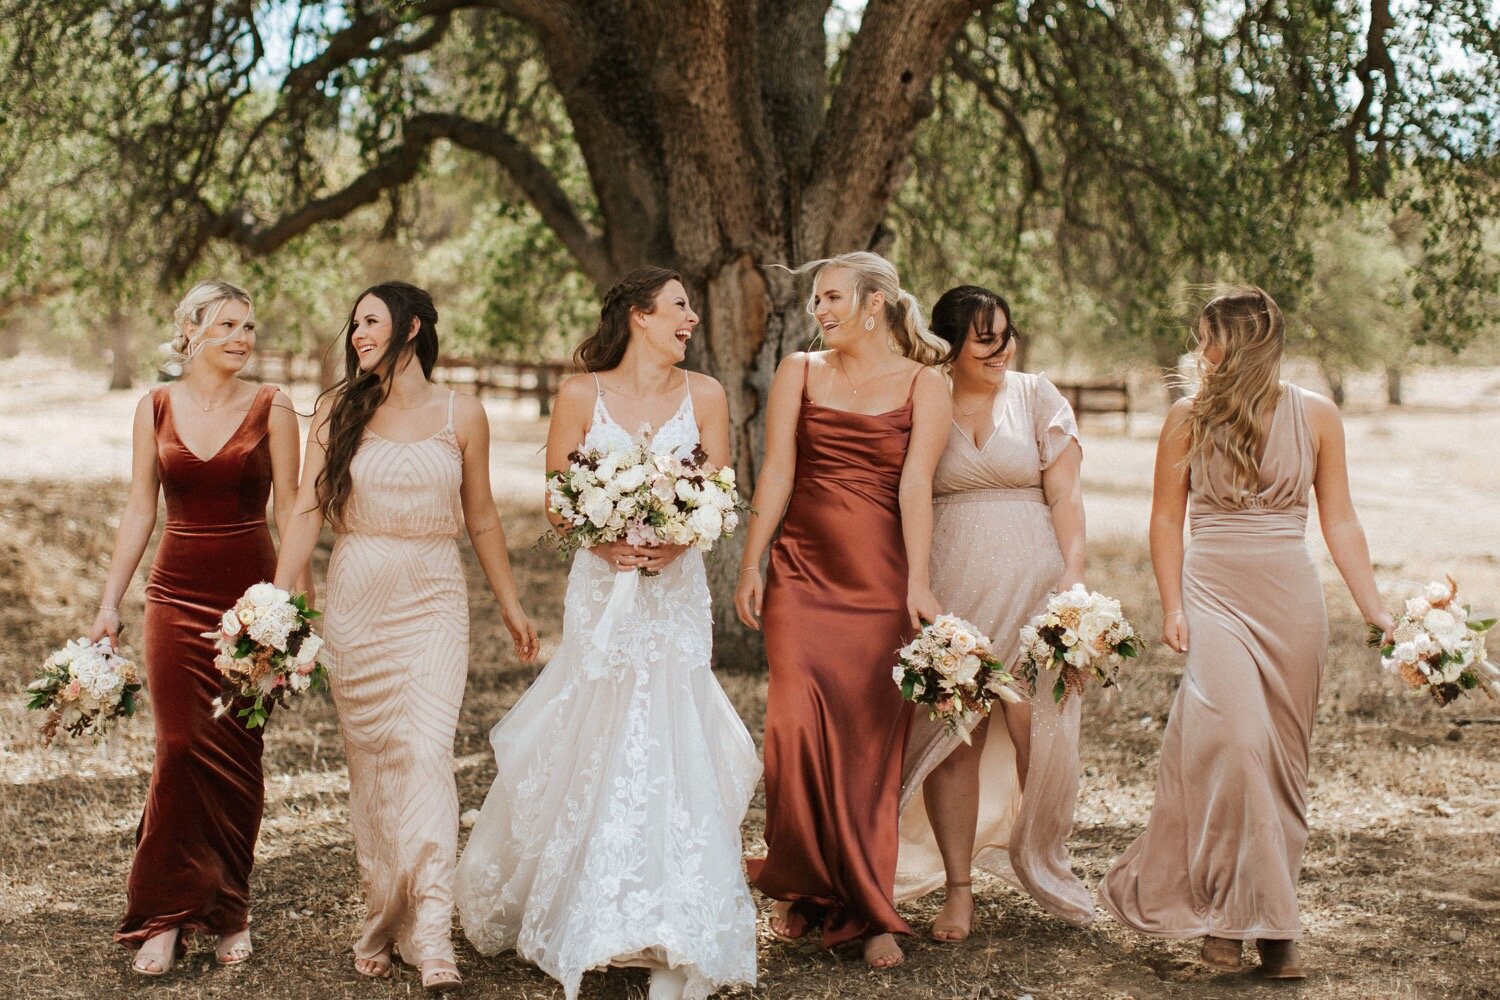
pixel 988 402
pixel 199 402
pixel 852 385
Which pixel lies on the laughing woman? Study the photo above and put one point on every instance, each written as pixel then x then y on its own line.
pixel 215 446
pixel 400 468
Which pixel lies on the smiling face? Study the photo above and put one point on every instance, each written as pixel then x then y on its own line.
pixel 987 353
pixel 666 329
pixel 227 339
pixel 836 309
pixel 370 333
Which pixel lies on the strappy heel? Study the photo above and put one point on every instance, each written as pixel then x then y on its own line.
pixel 954 933
pixel 793 924
pixel 377 966
pixel 159 966
pixel 440 976
pixel 232 949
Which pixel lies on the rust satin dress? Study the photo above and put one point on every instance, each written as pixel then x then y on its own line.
pixel 834 615
pixel 196 841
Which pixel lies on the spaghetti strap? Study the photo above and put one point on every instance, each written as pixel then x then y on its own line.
pixel 806 367
pixel 451 394
pixel 687 379
pixel 911 390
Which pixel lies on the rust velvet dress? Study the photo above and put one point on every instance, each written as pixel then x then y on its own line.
pixel 196 840
pixel 834 616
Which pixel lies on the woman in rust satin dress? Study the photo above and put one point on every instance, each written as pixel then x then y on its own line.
pixel 196 841
pixel 847 584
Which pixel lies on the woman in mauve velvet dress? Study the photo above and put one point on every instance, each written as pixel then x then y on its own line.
pixel 214 446
pixel 853 434
pixel 1222 850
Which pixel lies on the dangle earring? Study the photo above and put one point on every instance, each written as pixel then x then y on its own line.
pixel 869 322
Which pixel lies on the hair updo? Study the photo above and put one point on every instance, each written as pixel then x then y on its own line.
pixel 635 291
pixel 902 313
pixel 198 310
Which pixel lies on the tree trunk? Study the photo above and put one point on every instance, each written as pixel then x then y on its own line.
pixel 1335 379
pixel 121 350
pixel 1393 384
pixel 10 339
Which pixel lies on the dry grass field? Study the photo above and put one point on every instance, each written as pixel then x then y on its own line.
pixel 1401 886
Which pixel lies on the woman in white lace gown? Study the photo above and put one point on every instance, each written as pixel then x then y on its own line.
pixel 611 835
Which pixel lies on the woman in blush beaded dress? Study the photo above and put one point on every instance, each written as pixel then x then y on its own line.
pixel 401 468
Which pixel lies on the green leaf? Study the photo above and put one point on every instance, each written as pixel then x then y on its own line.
pixel 1126 649
pixel 1059 689
pixel 1482 626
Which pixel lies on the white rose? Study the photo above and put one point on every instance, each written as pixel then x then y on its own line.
pixel 731 522
pixel 262 595
pixel 310 648
pixel 707 523
pixel 1405 652
pixel 1435 592
pixel 965 642
pixel 230 623
pixel 968 670
pixel 1416 607
pixel 246 615
pixel 685 490
pixel 630 479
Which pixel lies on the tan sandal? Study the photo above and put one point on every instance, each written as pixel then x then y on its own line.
pixel 1280 959
pixel 954 933
pixel 793 925
pixel 154 965
pixel 440 976
pixel 375 967
pixel 232 949
pixel 1222 954
pixel 883 955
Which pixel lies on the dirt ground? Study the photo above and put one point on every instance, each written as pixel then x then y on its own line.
pixel 1400 889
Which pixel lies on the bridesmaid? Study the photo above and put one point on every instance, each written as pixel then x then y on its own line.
pixel 400 467
pixel 1221 852
pixel 1008 530
pixel 852 436
pixel 215 446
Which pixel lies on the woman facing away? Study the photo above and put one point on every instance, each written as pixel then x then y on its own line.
pixel 1008 531
pixel 611 836
pixel 217 447
pixel 401 467
pixel 1221 852
pixel 853 434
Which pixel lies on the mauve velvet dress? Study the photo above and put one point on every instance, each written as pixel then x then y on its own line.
pixel 196 841
pixel 1222 850
pixel 836 724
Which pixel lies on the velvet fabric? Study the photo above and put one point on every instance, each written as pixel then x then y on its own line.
pixel 196 841
pixel 834 615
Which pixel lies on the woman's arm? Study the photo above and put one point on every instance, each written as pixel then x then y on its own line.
pixel 482 520
pixel 305 522
pixel 1062 484
pixel 931 424
pixel 773 488
pixel 286 442
pixel 1342 532
pixel 136 523
pixel 1168 510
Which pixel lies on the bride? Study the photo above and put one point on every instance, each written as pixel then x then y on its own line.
pixel 612 834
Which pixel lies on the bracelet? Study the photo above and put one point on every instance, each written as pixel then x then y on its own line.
pixel 1173 614
pixel 109 607
pixel 748 569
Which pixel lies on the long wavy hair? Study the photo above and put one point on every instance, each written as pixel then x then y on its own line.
pixel 960 311
pixel 1245 323
pixel 637 290
pixel 359 393
pixel 903 313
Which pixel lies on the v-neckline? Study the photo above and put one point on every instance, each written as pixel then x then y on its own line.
pixel 995 403
pixel 650 438
pixel 172 412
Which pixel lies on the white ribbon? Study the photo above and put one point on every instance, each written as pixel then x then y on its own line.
pixel 621 598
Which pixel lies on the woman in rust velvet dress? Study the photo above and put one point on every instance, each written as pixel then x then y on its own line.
pixel 847 583
pixel 196 841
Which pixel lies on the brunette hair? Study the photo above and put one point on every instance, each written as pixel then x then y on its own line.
pixel 962 310
pixel 357 395
pixel 1246 324
pixel 636 290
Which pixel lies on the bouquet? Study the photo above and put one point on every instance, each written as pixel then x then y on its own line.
pixel 84 687
pixel 642 498
pixel 267 652
pixel 1081 633
pixel 950 668
pixel 1438 646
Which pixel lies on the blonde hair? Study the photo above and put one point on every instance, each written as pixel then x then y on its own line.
pixel 1246 325
pixel 199 308
pixel 903 313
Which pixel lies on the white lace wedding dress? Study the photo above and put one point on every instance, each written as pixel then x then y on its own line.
pixel 612 834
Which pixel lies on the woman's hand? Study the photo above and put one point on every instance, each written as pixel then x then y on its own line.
pixel 1174 631
pixel 106 623
pixel 655 558
pixel 1386 624
pixel 522 632
pixel 621 556
pixel 1067 581
pixel 921 605
pixel 748 593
